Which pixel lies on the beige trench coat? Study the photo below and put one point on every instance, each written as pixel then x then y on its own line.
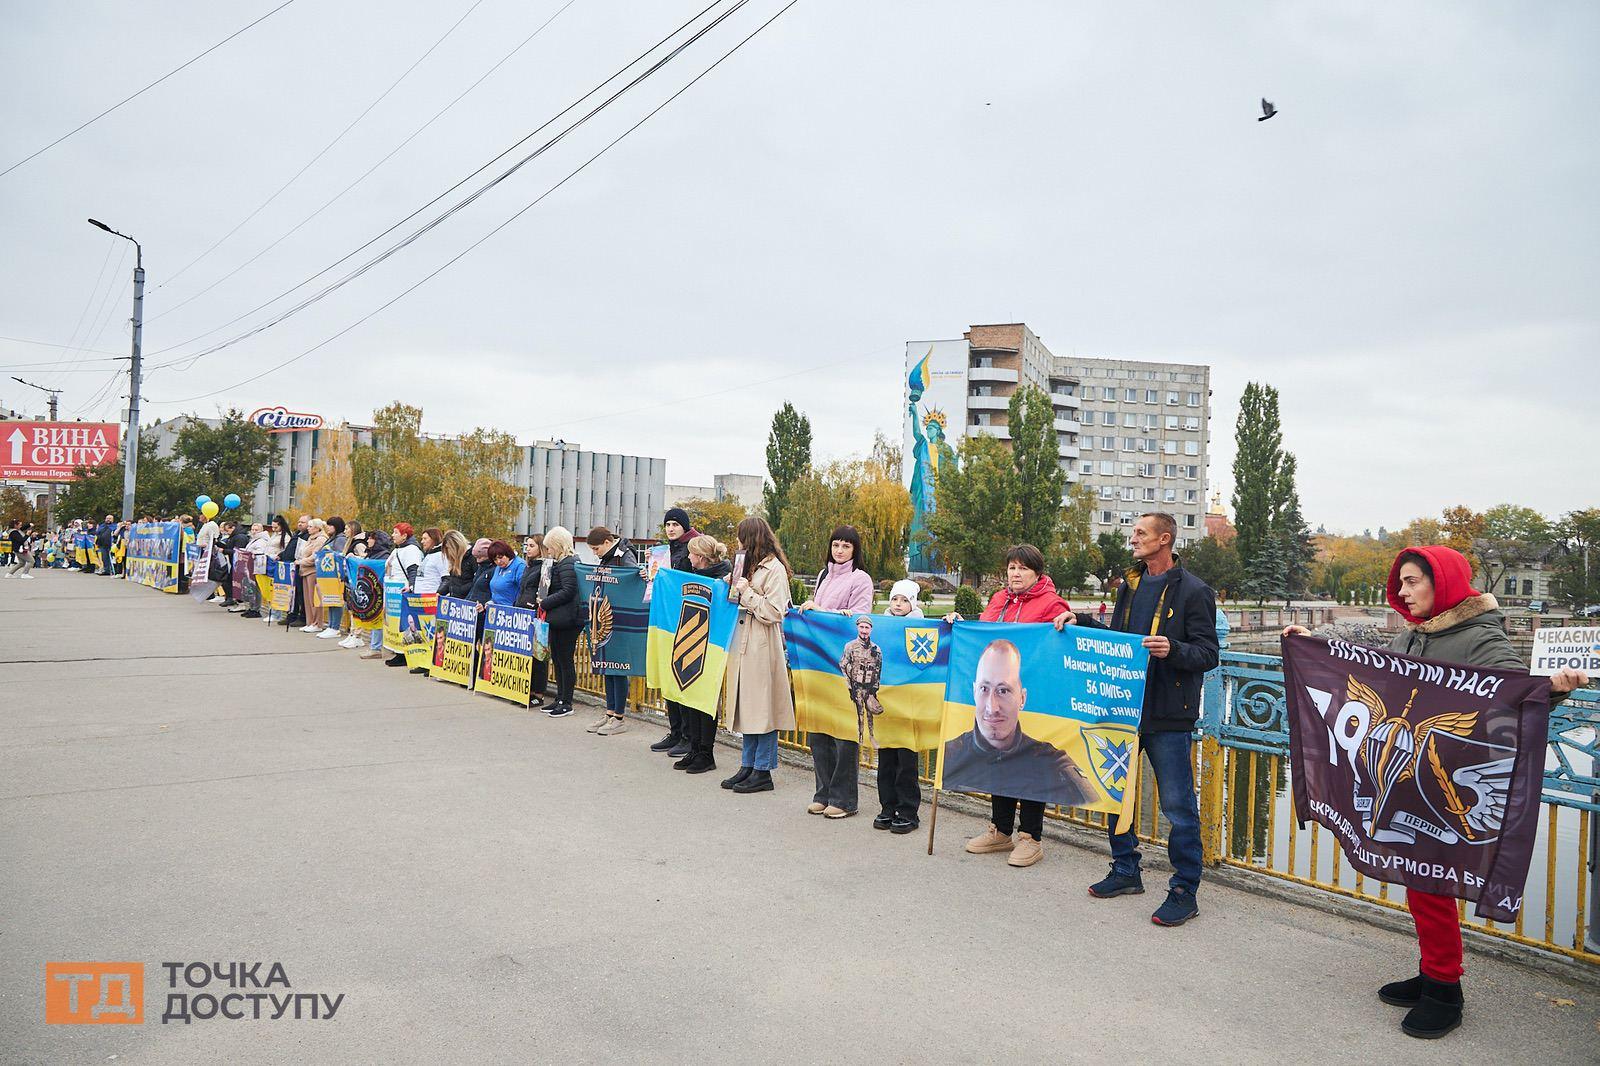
pixel 756 691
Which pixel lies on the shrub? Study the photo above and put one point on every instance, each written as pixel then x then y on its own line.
pixel 968 605
pixel 798 591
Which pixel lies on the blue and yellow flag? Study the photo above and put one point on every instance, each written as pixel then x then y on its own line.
pixel 282 586
pixel 363 592
pixel 153 553
pixel 691 626
pixel 330 577
pixel 618 618
pixel 1041 715
pixel 873 679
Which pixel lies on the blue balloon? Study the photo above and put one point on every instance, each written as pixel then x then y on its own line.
pixel 201 501
pixel 231 500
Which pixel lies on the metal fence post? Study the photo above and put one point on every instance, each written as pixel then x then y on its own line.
pixel 1592 938
pixel 1212 708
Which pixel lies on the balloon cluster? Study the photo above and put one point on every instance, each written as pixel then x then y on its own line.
pixel 209 508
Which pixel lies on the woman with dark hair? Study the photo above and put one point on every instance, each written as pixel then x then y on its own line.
pixel 379 546
pixel 708 558
pixel 756 690
pixel 612 550
pixel 842 588
pixel 1445 619
pixel 1028 595
pixel 560 609
pixel 528 596
pixel 679 533
pixel 506 579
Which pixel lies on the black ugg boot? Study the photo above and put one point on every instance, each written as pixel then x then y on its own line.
pixel 697 762
pixel 738 778
pixel 1438 1011
pixel 758 781
pixel 1402 993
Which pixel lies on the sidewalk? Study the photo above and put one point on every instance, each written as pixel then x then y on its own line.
pixel 487 885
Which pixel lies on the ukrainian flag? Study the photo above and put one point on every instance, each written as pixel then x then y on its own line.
pixel 915 657
pixel 691 627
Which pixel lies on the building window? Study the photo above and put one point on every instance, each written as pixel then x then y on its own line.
pixel 1108 492
pixel 1130 395
pixel 1188 521
pixel 1511 586
pixel 1191 495
pixel 1172 398
pixel 1192 422
pixel 1172 421
pixel 1108 444
pixel 1170 447
pixel 1527 587
pixel 1152 421
pixel 1149 495
pixel 1129 444
pixel 1086 467
pixel 1194 399
pixel 1129 493
pixel 1191 447
pixel 1107 468
pixel 1108 418
pixel 1105 518
pixel 1130 469
pixel 1151 396
pixel 1126 518
pixel 1130 421
pixel 1108 392
pixel 1169 495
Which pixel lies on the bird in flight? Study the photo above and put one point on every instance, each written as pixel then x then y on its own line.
pixel 1268 109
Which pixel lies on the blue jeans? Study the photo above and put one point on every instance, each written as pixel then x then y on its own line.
pixel 377 639
pixel 760 751
pixel 616 692
pixel 1169 758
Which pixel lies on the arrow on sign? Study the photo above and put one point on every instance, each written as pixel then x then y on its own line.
pixel 16 440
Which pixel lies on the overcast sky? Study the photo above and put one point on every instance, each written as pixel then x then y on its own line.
pixel 1408 251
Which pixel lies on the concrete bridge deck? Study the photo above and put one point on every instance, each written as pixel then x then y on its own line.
pixel 486 885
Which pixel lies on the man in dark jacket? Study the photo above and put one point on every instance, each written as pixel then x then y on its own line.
pixel 104 534
pixel 1177 613
pixel 678 530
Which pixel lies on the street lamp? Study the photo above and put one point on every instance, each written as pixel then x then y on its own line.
pixel 130 440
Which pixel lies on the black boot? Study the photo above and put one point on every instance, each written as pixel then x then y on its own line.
pixel 680 750
pixel 738 778
pixel 698 762
pixel 758 781
pixel 1402 993
pixel 1438 1011
pixel 666 743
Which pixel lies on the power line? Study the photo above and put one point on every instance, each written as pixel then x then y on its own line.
pixel 146 89
pixel 53 344
pixel 368 173
pixel 529 206
pixel 375 239
pixel 76 354
pixel 326 149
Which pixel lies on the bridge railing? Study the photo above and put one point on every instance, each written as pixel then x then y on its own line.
pixel 1247 811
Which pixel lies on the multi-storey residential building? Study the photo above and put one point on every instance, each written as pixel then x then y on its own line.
pixel 1144 443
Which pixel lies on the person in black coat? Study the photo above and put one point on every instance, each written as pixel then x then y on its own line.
pixel 708 558
pixel 560 608
pixel 611 551
pixel 528 596
pixel 679 534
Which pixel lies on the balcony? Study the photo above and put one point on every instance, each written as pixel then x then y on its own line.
pixel 997 432
pixel 988 403
pixel 991 373
pixel 1068 425
pixel 1067 451
pixel 1061 399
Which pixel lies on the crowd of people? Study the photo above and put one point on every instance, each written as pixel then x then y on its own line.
pixel 66 547
pixel 1171 609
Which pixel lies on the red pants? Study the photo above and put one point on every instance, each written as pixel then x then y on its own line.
pixel 1438 934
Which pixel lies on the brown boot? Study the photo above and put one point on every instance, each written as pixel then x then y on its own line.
pixel 989 842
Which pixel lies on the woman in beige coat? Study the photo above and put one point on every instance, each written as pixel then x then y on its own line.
pixel 305 566
pixel 756 692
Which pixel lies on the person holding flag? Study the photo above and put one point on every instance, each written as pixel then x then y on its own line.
pixel 680 534
pixel 756 687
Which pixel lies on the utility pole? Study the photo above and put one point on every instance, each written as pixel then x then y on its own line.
pixel 130 441
pixel 54 394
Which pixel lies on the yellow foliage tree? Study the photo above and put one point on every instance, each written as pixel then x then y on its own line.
pixel 716 518
pixel 330 491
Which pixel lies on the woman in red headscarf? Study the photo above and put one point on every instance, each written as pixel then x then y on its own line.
pixel 1446 619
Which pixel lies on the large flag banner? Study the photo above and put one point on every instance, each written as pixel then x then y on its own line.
pixel 330 577
pixel 417 617
pixel 1044 715
pixel 363 592
pixel 505 667
pixel 1428 773
pixel 282 586
pixel 873 678
pixel 455 637
pixel 244 571
pixel 81 543
pixel 153 552
pixel 691 626
pixel 200 584
pixel 618 617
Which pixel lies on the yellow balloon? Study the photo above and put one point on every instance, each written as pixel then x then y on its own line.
pixel 210 509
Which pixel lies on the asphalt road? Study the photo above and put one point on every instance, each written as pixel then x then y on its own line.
pixel 482 884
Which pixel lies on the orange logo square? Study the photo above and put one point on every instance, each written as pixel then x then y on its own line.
pixel 94 993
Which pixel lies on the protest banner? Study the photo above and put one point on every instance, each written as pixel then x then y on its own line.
pixel 330 577
pixel 618 618
pixel 363 592
pixel 691 625
pixel 455 638
pixel 244 571
pixel 505 665
pixel 153 549
pixel 1566 648
pixel 873 679
pixel 394 600
pixel 1428 773
pixel 1043 715
pixel 658 558
pixel 200 584
pixel 282 586
pixel 81 543
pixel 417 618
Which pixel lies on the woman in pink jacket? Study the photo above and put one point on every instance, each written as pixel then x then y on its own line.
pixel 842 588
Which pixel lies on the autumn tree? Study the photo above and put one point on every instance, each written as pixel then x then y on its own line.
pixel 1462 526
pixel 1078 556
pixel 976 508
pixel 231 456
pixel 1512 538
pixel 1577 564
pixel 788 458
pixel 330 490
pixel 1216 563
pixel 1035 456
pixel 716 518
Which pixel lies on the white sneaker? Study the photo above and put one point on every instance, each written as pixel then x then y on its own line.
pixel 238 608
pixel 351 642
pixel 311 629
pixel 24 577
pixel 602 720
pixel 328 634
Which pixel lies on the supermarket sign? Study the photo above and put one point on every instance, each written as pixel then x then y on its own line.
pixel 279 420
pixel 51 451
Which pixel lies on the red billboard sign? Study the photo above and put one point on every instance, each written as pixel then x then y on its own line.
pixel 50 451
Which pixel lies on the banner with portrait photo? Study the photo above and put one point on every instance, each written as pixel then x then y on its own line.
pixel 873 679
pixel 691 625
pixel 200 584
pixel 505 663
pixel 1043 715
pixel 1428 773
pixel 394 599
pixel 244 574
pixel 153 554
pixel 455 638
pixel 330 577
pixel 618 618
pixel 363 592
pixel 282 586
pixel 418 613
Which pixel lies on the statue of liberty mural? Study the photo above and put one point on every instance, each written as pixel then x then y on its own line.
pixel 928 448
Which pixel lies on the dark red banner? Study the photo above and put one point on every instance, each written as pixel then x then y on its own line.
pixel 50 451
pixel 1428 773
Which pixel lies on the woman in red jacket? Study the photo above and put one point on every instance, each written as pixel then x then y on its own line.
pixel 1027 596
